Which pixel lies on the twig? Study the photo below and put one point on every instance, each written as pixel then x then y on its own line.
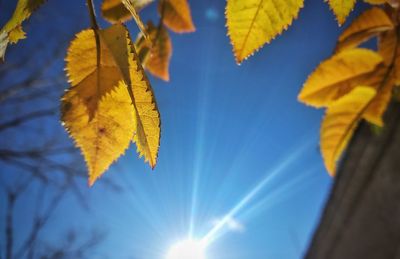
pixel 26 117
pixel 39 223
pixel 9 224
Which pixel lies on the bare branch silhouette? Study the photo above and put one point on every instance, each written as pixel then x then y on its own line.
pixel 39 163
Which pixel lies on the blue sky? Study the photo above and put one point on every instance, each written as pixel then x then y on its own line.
pixel 234 140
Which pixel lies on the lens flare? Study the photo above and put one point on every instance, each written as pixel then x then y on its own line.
pixel 217 229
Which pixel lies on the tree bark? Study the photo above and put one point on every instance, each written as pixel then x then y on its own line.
pixel 362 215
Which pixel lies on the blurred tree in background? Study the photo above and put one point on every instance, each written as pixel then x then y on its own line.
pixel 39 165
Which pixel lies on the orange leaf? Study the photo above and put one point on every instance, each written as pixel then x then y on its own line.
pixel 378 105
pixel 115 11
pixel 160 54
pixel 176 15
pixel 369 24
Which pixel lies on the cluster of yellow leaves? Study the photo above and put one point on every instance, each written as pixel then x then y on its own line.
pixel 252 23
pixel 12 31
pixel 154 44
pixel 110 102
pixel 355 83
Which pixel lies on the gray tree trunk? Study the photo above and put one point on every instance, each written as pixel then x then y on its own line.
pixel 361 219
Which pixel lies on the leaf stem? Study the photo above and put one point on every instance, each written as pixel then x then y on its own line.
pixel 92 14
pixel 95 28
pixel 130 6
pixel 153 42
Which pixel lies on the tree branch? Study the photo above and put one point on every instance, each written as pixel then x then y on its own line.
pixel 26 117
pixel 9 224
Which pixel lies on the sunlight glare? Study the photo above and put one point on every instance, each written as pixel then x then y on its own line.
pixel 186 249
pixel 294 156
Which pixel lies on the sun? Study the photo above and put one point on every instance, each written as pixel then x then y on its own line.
pixel 187 249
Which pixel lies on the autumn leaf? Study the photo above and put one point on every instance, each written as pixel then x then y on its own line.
pixel 378 105
pixel 104 138
pixel 115 11
pixel 110 101
pixel 389 48
pixel 176 15
pixel 341 9
pixel 156 58
pixel 147 136
pixel 387 42
pixel 383 81
pixel 92 79
pixel 367 25
pixel 338 75
pixel 12 31
pixel 252 23
pixel 160 55
pixel 339 124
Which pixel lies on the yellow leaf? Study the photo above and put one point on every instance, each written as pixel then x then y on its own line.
pixel 115 11
pixel 147 117
pixel 176 15
pixel 252 23
pixel 22 12
pixel 156 59
pixel 339 75
pixel 12 30
pixel 378 105
pixel 110 101
pixel 341 9
pixel 16 34
pixel 91 78
pixel 104 138
pixel 388 47
pixel 339 124
pixel 147 136
pixel 367 25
